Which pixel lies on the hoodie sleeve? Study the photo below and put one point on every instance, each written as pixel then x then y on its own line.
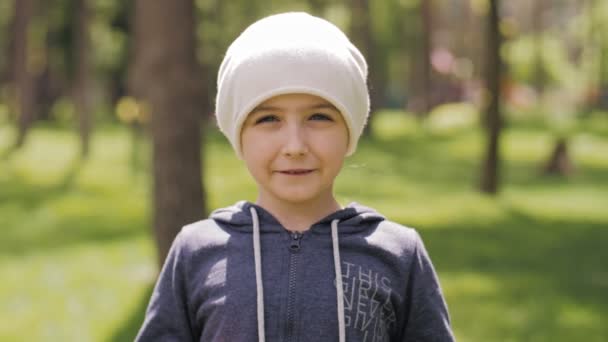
pixel 167 317
pixel 427 317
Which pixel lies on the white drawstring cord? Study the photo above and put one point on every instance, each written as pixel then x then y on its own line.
pixel 339 288
pixel 260 288
pixel 258 274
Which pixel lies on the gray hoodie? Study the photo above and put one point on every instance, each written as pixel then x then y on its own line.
pixel 241 276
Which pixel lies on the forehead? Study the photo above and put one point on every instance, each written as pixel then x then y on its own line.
pixel 299 102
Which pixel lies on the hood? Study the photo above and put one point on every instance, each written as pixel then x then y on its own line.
pixel 353 218
pixel 248 217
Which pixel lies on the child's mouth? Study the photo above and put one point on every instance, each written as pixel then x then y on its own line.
pixel 296 172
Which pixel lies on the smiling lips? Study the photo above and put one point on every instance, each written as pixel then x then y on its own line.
pixel 296 172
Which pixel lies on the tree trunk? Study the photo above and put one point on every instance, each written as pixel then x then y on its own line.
pixel 81 90
pixel 48 76
pixel 421 72
pixel 23 76
pixel 361 32
pixel 6 61
pixel 599 32
pixel 166 74
pixel 426 85
pixel 317 7
pixel 560 162
pixel 490 169
pixel 117 87
pixel 539 68
pixel 210 63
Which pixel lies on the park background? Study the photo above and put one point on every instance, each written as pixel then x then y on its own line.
pixel 489 134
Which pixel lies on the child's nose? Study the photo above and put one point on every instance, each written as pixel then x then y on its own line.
pixel 295 141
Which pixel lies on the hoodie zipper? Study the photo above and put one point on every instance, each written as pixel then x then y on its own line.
pixel 294 248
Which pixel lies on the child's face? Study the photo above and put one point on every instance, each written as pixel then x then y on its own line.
pixel 294 146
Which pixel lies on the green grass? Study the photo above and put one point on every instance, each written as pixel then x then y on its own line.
pixel 77 259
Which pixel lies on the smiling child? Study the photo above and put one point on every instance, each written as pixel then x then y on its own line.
pixel 295 265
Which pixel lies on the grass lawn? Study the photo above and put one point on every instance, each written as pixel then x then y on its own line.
pixel 77 258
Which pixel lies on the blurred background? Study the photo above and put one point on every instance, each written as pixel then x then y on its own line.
pixel 488 133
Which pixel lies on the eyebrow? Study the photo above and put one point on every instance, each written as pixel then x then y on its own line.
pixel 276 109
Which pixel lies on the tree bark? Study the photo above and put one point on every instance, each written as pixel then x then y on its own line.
pixel 426 85
pixel 602 66
pixel 317 7
pixel 81 83
pixel 361 32
pixel 560 162
pixel 23 76
pixel 493 122
pixel 420 82
pixel 117 85
pixel 539 68
pixel 166 74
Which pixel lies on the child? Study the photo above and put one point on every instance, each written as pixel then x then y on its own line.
pixel 295 266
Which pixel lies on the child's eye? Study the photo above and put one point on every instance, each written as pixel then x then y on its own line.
pixel 266 118
pixel 321 117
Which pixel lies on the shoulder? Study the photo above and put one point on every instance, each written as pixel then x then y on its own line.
pixel 203 234
pixel 399 239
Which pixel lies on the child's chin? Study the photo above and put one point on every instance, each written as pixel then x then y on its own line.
pixel 303 197
pixel 298 199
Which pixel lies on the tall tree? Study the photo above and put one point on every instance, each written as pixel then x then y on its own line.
pixel 420 82
pixel 540 77
pixel 362 34
pixel 166 74
pixel 599 39
pixel 23 75
pixel 493 121
pixel 5 48
pixel 559 161
pixel 317 7
pixel 52 76
pixel 426 39
pixel 81 80
pixel 211 22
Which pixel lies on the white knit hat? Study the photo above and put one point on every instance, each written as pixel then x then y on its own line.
pixel 291 53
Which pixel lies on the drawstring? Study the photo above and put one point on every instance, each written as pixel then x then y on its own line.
pixel 258 274
pixel 260 287
pixel 338 269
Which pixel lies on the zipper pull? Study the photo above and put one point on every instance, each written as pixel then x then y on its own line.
pixel 295 241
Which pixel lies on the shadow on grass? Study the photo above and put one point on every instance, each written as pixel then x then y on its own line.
pixel 18 190
pixel 25 235
pixel 550 273
pixel 128 331
pixel 66 232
